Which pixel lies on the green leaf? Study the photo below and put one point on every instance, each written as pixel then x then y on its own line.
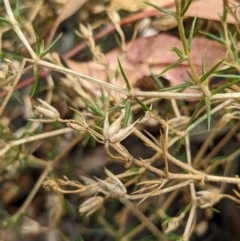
pixel 234 47
pixel 183 3
pixel 95 109
pixel 168 12
pixel 127 113
pixel 224 15
pixel 119 106
pixel 88 139
pixel 3 20
pixel 204 63
pixel 199 106
pixel 183 11
pixel 35 83
pixel 214 210
pixel 176 87
pixel 16 10
pixel 190 76
pixel 178 52
pixel 172 236
pixel 208 107
pixel 177 7
pixel 157 80
pixel 212 36
pixel 205 76
pixel 100 111
pixel 47 50
pixel 176 63
pixel 191 33
pixel 223 87
pixel 38 46
pixel 118 41
pixel 124 76
pixel 142 104
pixel 226 69
pixel 104 98
pixel 226 76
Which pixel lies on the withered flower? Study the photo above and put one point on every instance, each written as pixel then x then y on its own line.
pixel 114 133
pixel 47 111
pixel 90 205
pixel 114 188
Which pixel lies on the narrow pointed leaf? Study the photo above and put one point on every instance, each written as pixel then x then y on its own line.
pixel 177 7
pixel 94 109
pixel 100 111
pixel 168 12
pixel 104 98
pixel 176 63
pixel 208 107
pixel 142 104
pixel 225 86
pixel 183 11
pixel 177 87
pixel 119 106
pixel 3 20
pixel 88 139
pixel 35 83
pixel 226 76
pixel 38 47
pixel 124 76
pixel 234 48
pixel 226 69
pixel 16 10
pixel 118 41
pixel 191 33
pixel 183 3
pixel 47 50
pixel 156 79
pixel 205 76
pixel 177 51
pixel 190 76
pixel 199 106
pixel 127 113
pixel 220 40
pixel 224 15
pixel 204 63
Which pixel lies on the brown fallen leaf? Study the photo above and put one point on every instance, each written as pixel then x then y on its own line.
pixel 210 9
pixel 71 7
pixel 136 5
pixel 150 55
